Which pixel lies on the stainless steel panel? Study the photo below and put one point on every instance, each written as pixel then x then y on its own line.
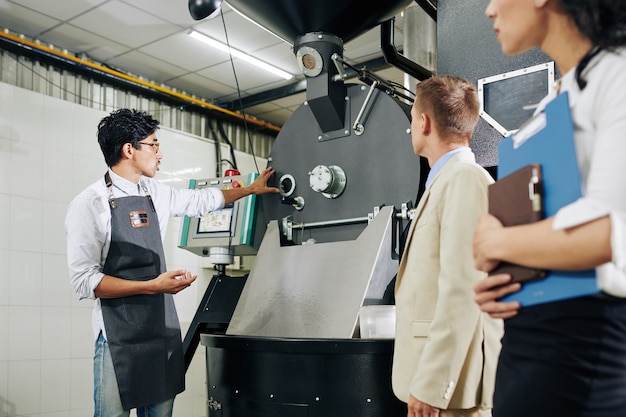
pixel 314 290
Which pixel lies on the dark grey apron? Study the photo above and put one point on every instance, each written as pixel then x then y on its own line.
pixel 142 331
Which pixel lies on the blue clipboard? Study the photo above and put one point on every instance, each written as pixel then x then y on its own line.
pixel 548 139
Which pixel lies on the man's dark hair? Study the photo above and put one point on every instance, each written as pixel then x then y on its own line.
pixel 123 126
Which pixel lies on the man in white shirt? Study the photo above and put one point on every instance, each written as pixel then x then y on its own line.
pixel 115 229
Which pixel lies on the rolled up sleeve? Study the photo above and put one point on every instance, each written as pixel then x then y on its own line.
pixel 85 226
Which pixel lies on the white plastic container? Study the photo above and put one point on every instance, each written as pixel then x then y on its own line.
pixel 377 322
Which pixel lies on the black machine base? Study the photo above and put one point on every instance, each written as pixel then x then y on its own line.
pixel 214 312
pixel 279 377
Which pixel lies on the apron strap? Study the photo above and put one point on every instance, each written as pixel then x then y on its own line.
pixel 109 184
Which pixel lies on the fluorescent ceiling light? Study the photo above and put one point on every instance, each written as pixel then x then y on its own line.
pixel 241 55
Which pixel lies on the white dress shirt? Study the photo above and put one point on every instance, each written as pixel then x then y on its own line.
pixel 599 116
pixel 88 226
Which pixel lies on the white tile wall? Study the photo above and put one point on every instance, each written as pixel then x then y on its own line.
pixel 4 383
pixel 24 378
pixel 48 154
pixel 55 339
pixel 24 278
pixel 57 166
pixel 24 334
pixel 4 284
pixel 26 219
pixel 4 345
pixel 54 281
pixel 82 339
pixel 26 169
pixel 5 157
pixel 55 385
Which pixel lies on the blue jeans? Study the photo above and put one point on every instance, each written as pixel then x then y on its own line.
pixel 106 396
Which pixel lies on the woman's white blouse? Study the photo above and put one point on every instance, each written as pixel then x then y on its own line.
pixel 599 116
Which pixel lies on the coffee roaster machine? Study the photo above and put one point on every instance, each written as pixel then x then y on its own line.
pixel 284 341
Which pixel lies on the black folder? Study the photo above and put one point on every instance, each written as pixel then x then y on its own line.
pixel 514 200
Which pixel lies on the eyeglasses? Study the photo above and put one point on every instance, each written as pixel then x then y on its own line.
pixel 155 146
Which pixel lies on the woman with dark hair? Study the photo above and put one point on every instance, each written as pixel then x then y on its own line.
pixel 567 358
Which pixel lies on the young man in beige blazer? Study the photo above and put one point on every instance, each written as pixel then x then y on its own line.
pixel 446 349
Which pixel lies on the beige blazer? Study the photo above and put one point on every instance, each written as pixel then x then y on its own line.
pixel 446 349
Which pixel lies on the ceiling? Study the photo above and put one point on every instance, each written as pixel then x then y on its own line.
pixel 148 39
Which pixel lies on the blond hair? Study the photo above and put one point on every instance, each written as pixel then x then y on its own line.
pixel 452 103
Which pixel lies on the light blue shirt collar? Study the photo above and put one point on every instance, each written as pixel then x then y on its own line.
pixel 442 161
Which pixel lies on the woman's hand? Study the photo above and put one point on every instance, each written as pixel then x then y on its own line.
pixel 486 227
pixel 490 289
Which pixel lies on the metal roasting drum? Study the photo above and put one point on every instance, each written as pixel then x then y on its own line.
pixel 345 166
